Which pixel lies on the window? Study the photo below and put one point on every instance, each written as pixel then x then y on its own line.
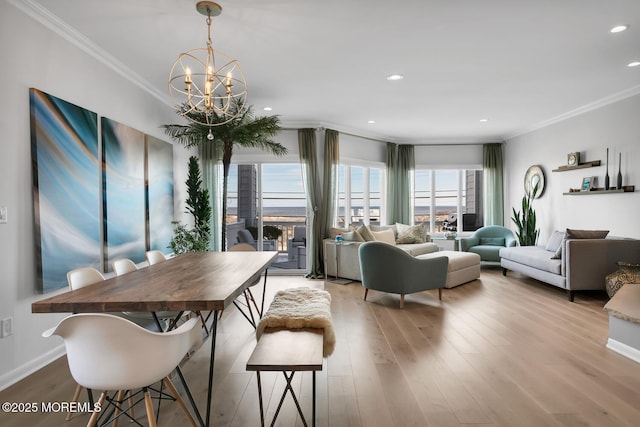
pixel 442 196
pixel 360 195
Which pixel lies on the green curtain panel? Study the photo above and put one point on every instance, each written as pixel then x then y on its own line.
pixel 391 182
pixel 492 166
pixel 309 161
pixel 330 183
pixel 211 162
pixel 400 164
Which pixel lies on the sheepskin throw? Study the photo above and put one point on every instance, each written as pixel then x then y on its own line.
pixel 298 308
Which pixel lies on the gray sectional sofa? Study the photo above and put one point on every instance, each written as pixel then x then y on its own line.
pixel 575 264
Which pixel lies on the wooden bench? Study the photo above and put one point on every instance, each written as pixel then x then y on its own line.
pixel 288 351
pixel 624 321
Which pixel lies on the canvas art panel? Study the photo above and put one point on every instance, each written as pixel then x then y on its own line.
pixel 159 193
pixel 66 188
pixel 124 192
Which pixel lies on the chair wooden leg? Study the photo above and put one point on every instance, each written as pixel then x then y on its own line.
pixel 96 414
pixel 76 396
pixel 366 291
pixel 401 300
pixel 149 407
pixel 440 294
pixel 179 401
pixel 119 398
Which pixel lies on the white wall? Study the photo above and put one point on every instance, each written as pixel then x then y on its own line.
pixel 34 56
pixel 616 126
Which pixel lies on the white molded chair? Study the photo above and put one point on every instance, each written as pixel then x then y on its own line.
pixel 124 266
pixel 84 276
pixel 108 353
pixel 154 257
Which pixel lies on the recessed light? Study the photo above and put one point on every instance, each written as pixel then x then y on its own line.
pixel 371 122
pixel 394 77
pixel 618 28
pixel 267 108
pixel 484 120
pixel 633 64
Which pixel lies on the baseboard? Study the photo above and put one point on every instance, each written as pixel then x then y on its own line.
pixel 623 349
pixel 10 378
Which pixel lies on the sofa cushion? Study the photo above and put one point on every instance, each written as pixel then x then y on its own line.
pixel 415 249
pixel 365 232
pixel 411 233
pixel 586 234
pixel 532 256
pixel 555 243
pixel 492 241
pixel 352 236
pixel 386 236
pixel 374 227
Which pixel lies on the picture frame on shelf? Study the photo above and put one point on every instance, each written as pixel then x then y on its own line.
pixel 588 183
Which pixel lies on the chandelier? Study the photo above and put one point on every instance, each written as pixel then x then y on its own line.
pixel 207 86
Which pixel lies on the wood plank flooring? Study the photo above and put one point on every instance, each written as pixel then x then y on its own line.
pixel 494 352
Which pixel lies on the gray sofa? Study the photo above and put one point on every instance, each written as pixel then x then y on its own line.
pixel 341 259
pixel 582 265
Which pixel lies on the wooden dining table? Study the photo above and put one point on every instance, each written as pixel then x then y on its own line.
pixel 195 281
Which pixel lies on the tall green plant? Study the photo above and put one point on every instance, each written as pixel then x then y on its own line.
pixel 244 130
pixel 195 239
pixel 526 220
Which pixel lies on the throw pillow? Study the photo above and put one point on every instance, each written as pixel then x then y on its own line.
pixel 586 234
pixel 352 236
pixel 336 231
pixel 554 241
pixel 374 227
pixel 492 241
pixel 365 232
pixel 408 234
pixel 385 236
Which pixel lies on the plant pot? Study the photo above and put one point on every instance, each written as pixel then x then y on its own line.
pixel 626 273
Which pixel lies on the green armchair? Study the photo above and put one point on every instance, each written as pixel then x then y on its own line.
pixel 386 268
pixel 487 242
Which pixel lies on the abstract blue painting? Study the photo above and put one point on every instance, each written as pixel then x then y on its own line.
pixel 124 192
pixel 159 193
pixel 66 178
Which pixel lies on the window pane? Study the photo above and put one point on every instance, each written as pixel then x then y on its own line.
pixel 422 197
pixel 375 196
pixel 357 195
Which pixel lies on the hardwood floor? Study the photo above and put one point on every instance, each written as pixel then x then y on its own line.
pixel 494 352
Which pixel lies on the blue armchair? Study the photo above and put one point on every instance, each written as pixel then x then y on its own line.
pixel 386 268
pixel 487 242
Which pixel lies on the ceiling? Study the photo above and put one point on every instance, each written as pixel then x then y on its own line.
pixel 520 64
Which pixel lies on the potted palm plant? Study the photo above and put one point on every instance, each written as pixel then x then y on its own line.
pixel 244 130
pixel 525 220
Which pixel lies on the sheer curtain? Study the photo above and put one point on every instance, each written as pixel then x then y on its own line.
pixel 492 166
pixel 211 160
pixel 400 165
pixel 311 178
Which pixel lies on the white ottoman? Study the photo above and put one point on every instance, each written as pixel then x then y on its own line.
pixel 463 266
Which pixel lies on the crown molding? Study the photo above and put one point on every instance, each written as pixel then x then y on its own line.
pixel 73 36
pixel 616 97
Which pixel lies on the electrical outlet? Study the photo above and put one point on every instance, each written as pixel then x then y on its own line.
pixel 6 328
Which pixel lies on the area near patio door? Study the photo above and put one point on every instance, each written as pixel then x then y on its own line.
pixel 269 201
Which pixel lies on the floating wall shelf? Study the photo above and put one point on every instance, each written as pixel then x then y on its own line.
pixel 625 189
pixel 565 168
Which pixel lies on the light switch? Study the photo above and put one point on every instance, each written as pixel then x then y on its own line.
pixel 3 215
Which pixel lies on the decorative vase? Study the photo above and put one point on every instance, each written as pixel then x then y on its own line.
pixel 606 177
pixel 626 273
pixel 620 173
